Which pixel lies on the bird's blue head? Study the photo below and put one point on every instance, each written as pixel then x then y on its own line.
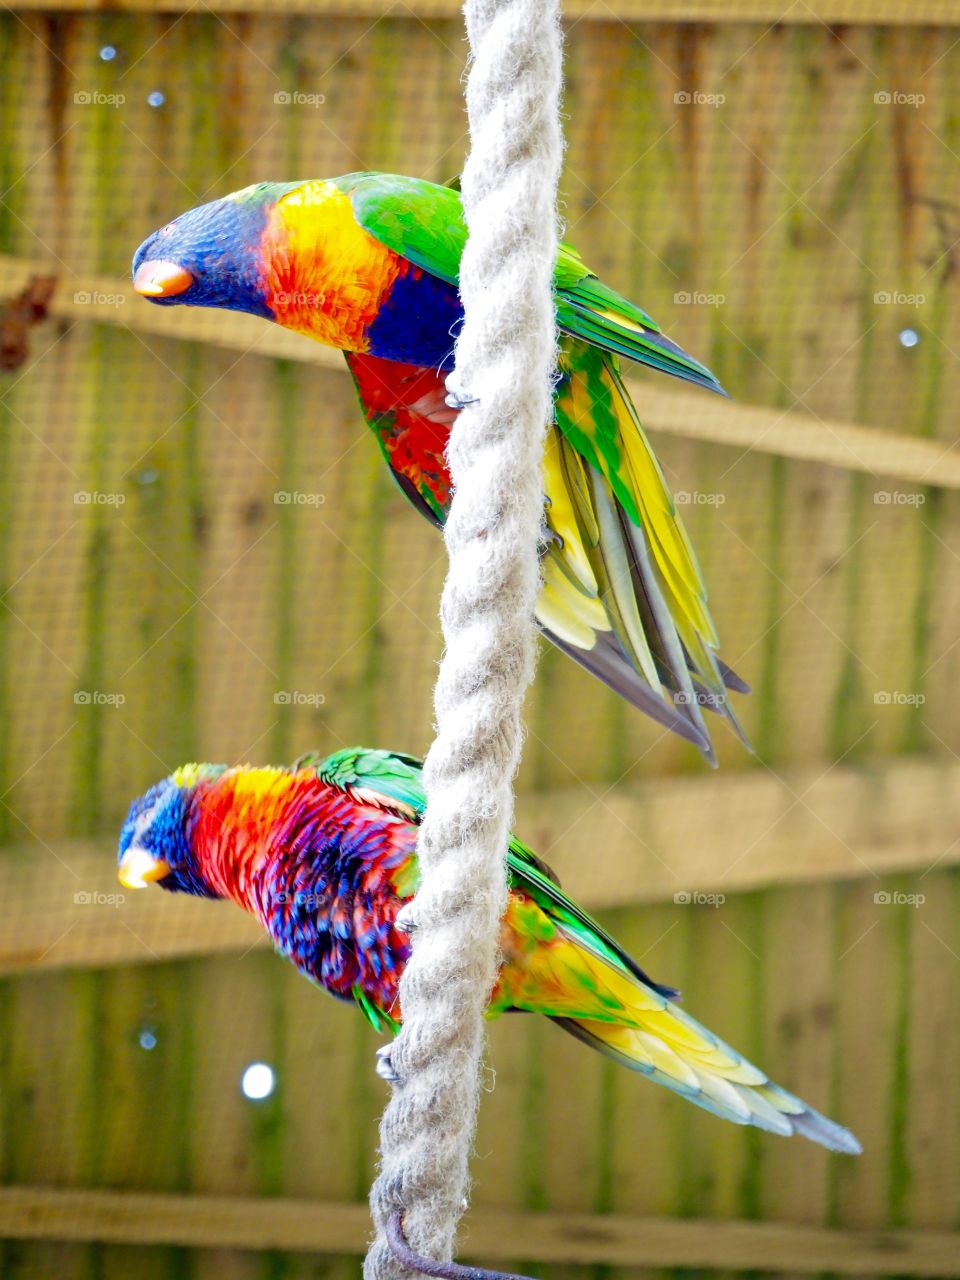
pixel 156 840
pixel 211 256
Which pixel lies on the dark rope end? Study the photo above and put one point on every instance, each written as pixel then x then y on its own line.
pixel 428 1266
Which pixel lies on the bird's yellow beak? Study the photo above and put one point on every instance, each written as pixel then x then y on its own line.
pixel 139 868
pixel 161 279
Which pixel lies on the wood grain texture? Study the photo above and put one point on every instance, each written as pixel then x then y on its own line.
pixel 734 11
pixel 211 1221
pixel 200 597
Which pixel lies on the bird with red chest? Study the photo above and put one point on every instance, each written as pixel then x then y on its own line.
pixel 368 263
pixel 323 854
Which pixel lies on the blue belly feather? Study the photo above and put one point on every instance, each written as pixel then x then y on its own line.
pixel 418 322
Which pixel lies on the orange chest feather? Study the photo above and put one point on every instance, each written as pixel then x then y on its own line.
pixel 324 275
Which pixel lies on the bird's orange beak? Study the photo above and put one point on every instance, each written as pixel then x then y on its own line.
pixel 138 868
pixel 161 279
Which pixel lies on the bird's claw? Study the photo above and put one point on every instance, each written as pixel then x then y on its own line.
pixel 404 921
pixel 385 1066
pixel 459 399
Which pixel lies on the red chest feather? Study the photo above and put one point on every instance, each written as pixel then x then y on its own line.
pixel 406 406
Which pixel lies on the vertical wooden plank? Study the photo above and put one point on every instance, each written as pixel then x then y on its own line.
pixel 936 181
pixel 642 1116
pixel 800 1006
pixel 51 1079
pixel 175 148
pixel 870 1006
pixel 333 58
pixel 895 554
pixel 332 1098
pixel 145 1119
pixel 721 1164
pixel 50 1065
pixel 236 631
pixel 803 645
pixel 42 446
pixel 932 1133
pixel 40 1259
pixel 638 1117
pixel 506 1152
pixel 336 598
pixel 234 1142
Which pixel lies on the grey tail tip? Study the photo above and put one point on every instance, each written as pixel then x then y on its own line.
pixel 827 1133
pixel 731 679
pixel 701 740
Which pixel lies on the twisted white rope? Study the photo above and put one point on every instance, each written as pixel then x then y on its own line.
pixel 505 357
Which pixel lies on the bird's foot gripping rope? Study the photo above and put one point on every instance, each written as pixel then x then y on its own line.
pixel 456 399
pixel 385 1066
pixel 405 921
pixel 428 1267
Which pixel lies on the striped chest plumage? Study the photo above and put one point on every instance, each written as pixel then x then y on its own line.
pixel 326 277
pixel 324 873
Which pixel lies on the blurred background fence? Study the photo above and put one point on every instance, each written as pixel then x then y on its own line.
pixel 201 556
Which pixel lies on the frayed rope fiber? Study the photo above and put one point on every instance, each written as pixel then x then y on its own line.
pixel 505 360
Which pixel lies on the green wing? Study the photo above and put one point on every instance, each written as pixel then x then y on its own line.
pixel 397 782
pixel 424 223
pixel 393 778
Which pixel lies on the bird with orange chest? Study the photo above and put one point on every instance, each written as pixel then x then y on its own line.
pixel 323 854
pixel 368 263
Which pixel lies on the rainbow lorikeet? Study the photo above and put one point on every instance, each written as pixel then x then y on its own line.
pixel 368 263
pixel 323 855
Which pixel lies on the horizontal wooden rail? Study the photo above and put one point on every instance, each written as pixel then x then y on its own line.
pixel 861 12
pixel 675 838
pixel 32 1213
pixel 693 415
pixel 791 434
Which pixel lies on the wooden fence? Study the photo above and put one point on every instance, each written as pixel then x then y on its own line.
pixel 784 197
